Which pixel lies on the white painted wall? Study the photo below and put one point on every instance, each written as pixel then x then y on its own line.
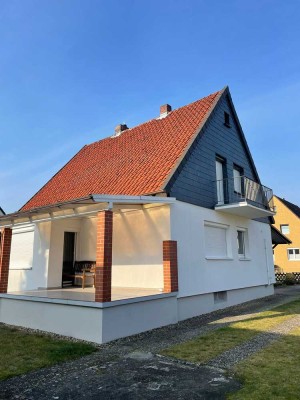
pixel 136 317
pixel 137 251
pixel 94 322
pixel 192 306
pixel 64 319
pixel 137 246
pixel 197 274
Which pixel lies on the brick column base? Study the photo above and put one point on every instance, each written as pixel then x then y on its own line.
pixel 103 256
pixel 170 266
pixel 5 246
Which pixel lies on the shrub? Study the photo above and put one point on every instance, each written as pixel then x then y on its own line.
pixel 290 279
pixel 278 269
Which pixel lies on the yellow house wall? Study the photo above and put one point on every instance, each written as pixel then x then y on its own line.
pixel 286 217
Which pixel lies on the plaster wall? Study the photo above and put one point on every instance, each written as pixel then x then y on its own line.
pixel 137 246
pixel 136 317
pixel 94 322
pixel 64 319
pixel 199 275
pixel 284 216
pixel 193 306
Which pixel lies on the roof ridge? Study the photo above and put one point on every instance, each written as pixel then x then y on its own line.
pixel 157 118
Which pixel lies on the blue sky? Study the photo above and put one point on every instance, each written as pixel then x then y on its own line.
pixel 70 70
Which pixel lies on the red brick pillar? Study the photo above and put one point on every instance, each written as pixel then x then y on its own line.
pixel 103 256
pixel 170 266
pixel 5 245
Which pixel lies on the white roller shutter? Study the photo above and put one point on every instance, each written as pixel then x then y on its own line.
pixel 215 241
pixel 22 249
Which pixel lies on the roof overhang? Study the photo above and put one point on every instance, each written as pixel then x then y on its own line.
pixel 245 209
pixel 278 237
pixel 83 206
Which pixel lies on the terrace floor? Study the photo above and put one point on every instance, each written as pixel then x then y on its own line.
pixel 88 293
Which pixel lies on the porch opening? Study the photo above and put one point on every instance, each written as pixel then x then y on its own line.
pixel 66 246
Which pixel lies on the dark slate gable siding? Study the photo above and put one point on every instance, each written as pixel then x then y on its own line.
pixel 194 181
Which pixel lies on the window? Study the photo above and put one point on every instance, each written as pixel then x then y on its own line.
pixel 22 248
pixel 285 229
pixel 216 241
pixel 220 176
pixel 242 244
pixel 294 254
pixel 237 179
pixel 226 119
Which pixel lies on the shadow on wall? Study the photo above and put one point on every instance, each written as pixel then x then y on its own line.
pixel 138 236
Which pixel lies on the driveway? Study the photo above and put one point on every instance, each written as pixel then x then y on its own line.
pixel 131 368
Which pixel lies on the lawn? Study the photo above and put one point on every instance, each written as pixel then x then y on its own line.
pixel 210 345
pixel 21 352
pixel 272 373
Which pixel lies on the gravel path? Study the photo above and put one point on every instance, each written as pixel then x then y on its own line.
pixel 233 356
pixel 129 369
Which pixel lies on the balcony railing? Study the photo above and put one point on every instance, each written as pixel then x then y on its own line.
pixel 243 189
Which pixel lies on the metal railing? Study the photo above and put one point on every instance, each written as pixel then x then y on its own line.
pixel 236 190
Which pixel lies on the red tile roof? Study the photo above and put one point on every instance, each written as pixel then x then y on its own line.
pixel 139 161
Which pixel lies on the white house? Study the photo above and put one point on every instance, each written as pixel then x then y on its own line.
pixel 169 218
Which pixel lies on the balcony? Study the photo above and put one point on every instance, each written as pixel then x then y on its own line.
pixel 244 197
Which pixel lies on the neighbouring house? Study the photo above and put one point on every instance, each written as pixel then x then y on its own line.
pixel 168 219
pixel 287 220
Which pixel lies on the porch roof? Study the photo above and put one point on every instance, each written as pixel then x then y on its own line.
pixel 82 206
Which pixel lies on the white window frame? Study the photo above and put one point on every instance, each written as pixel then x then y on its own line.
pixel 294 254
pixel 228 255
pixel 237 180
pixel 246 255
pixel 219 163
pixel 285 225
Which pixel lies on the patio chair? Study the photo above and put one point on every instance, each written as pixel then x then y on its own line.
pixel 84 269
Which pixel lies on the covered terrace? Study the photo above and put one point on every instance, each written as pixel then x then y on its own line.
pixel 126 239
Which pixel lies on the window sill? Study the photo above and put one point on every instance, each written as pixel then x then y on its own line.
pixel 244 259
pixel 218 258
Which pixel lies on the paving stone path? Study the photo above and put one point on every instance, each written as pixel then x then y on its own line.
pixel 130 369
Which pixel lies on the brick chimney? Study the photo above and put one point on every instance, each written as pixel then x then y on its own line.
pixel 120 128
pixel 165 110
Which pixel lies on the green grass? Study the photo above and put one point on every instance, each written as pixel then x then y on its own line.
pixel 21 352
pixel 210 345
pixel 272 373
